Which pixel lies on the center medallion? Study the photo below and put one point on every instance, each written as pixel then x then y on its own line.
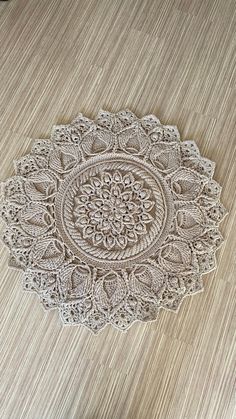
pixel 114 210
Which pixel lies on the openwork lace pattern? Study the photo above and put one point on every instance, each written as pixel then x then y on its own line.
pixel 113 210
pixel 112 219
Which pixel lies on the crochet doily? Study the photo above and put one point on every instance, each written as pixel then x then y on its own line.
pixel 112 219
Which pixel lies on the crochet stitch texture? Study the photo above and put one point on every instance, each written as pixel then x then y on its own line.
pixel 112 219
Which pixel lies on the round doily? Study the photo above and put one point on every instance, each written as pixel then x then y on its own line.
pixel 112 219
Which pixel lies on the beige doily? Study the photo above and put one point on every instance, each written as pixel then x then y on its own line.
pixel 112 219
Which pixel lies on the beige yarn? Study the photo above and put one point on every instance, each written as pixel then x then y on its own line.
pixel 112 219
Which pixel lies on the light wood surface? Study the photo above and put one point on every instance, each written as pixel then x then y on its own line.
pixel 173 58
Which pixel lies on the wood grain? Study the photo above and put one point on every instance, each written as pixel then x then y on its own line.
pixel 173 58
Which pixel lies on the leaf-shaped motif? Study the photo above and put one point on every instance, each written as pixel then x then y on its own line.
pixel 75 280
pixel 88 231
pixel 97 142
pixel 122 241
pixel 110 291
pixel 109 241
pixel 175 256
pixel 41 185
pixel 133 140
pixel 187 184
pixel 87 189
pixel 35 219
pixel 140 227
pixel 48 254
pixel 146 218
pixel 146 281
pixel 189 221
pixel 61 161
pixel 165 157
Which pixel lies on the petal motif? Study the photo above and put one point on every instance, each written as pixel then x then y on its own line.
pixel 133 140
pixel 63 160
pixel 88 231
pixel 109 241
pixel 146 281
pixel 175 256
pixel 190 221
pixel 122 240
pixel 35 219
pixel 75 281
pixel 41 185
pixel 140 228
pixel 117 226
pixel 187 184
pixel 110 291
pixel 48 254
pixel 165 157
pixel 96 142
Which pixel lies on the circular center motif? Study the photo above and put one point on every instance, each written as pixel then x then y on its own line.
pixel 114 210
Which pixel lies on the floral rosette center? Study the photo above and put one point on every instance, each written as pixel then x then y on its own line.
pixel 113 210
